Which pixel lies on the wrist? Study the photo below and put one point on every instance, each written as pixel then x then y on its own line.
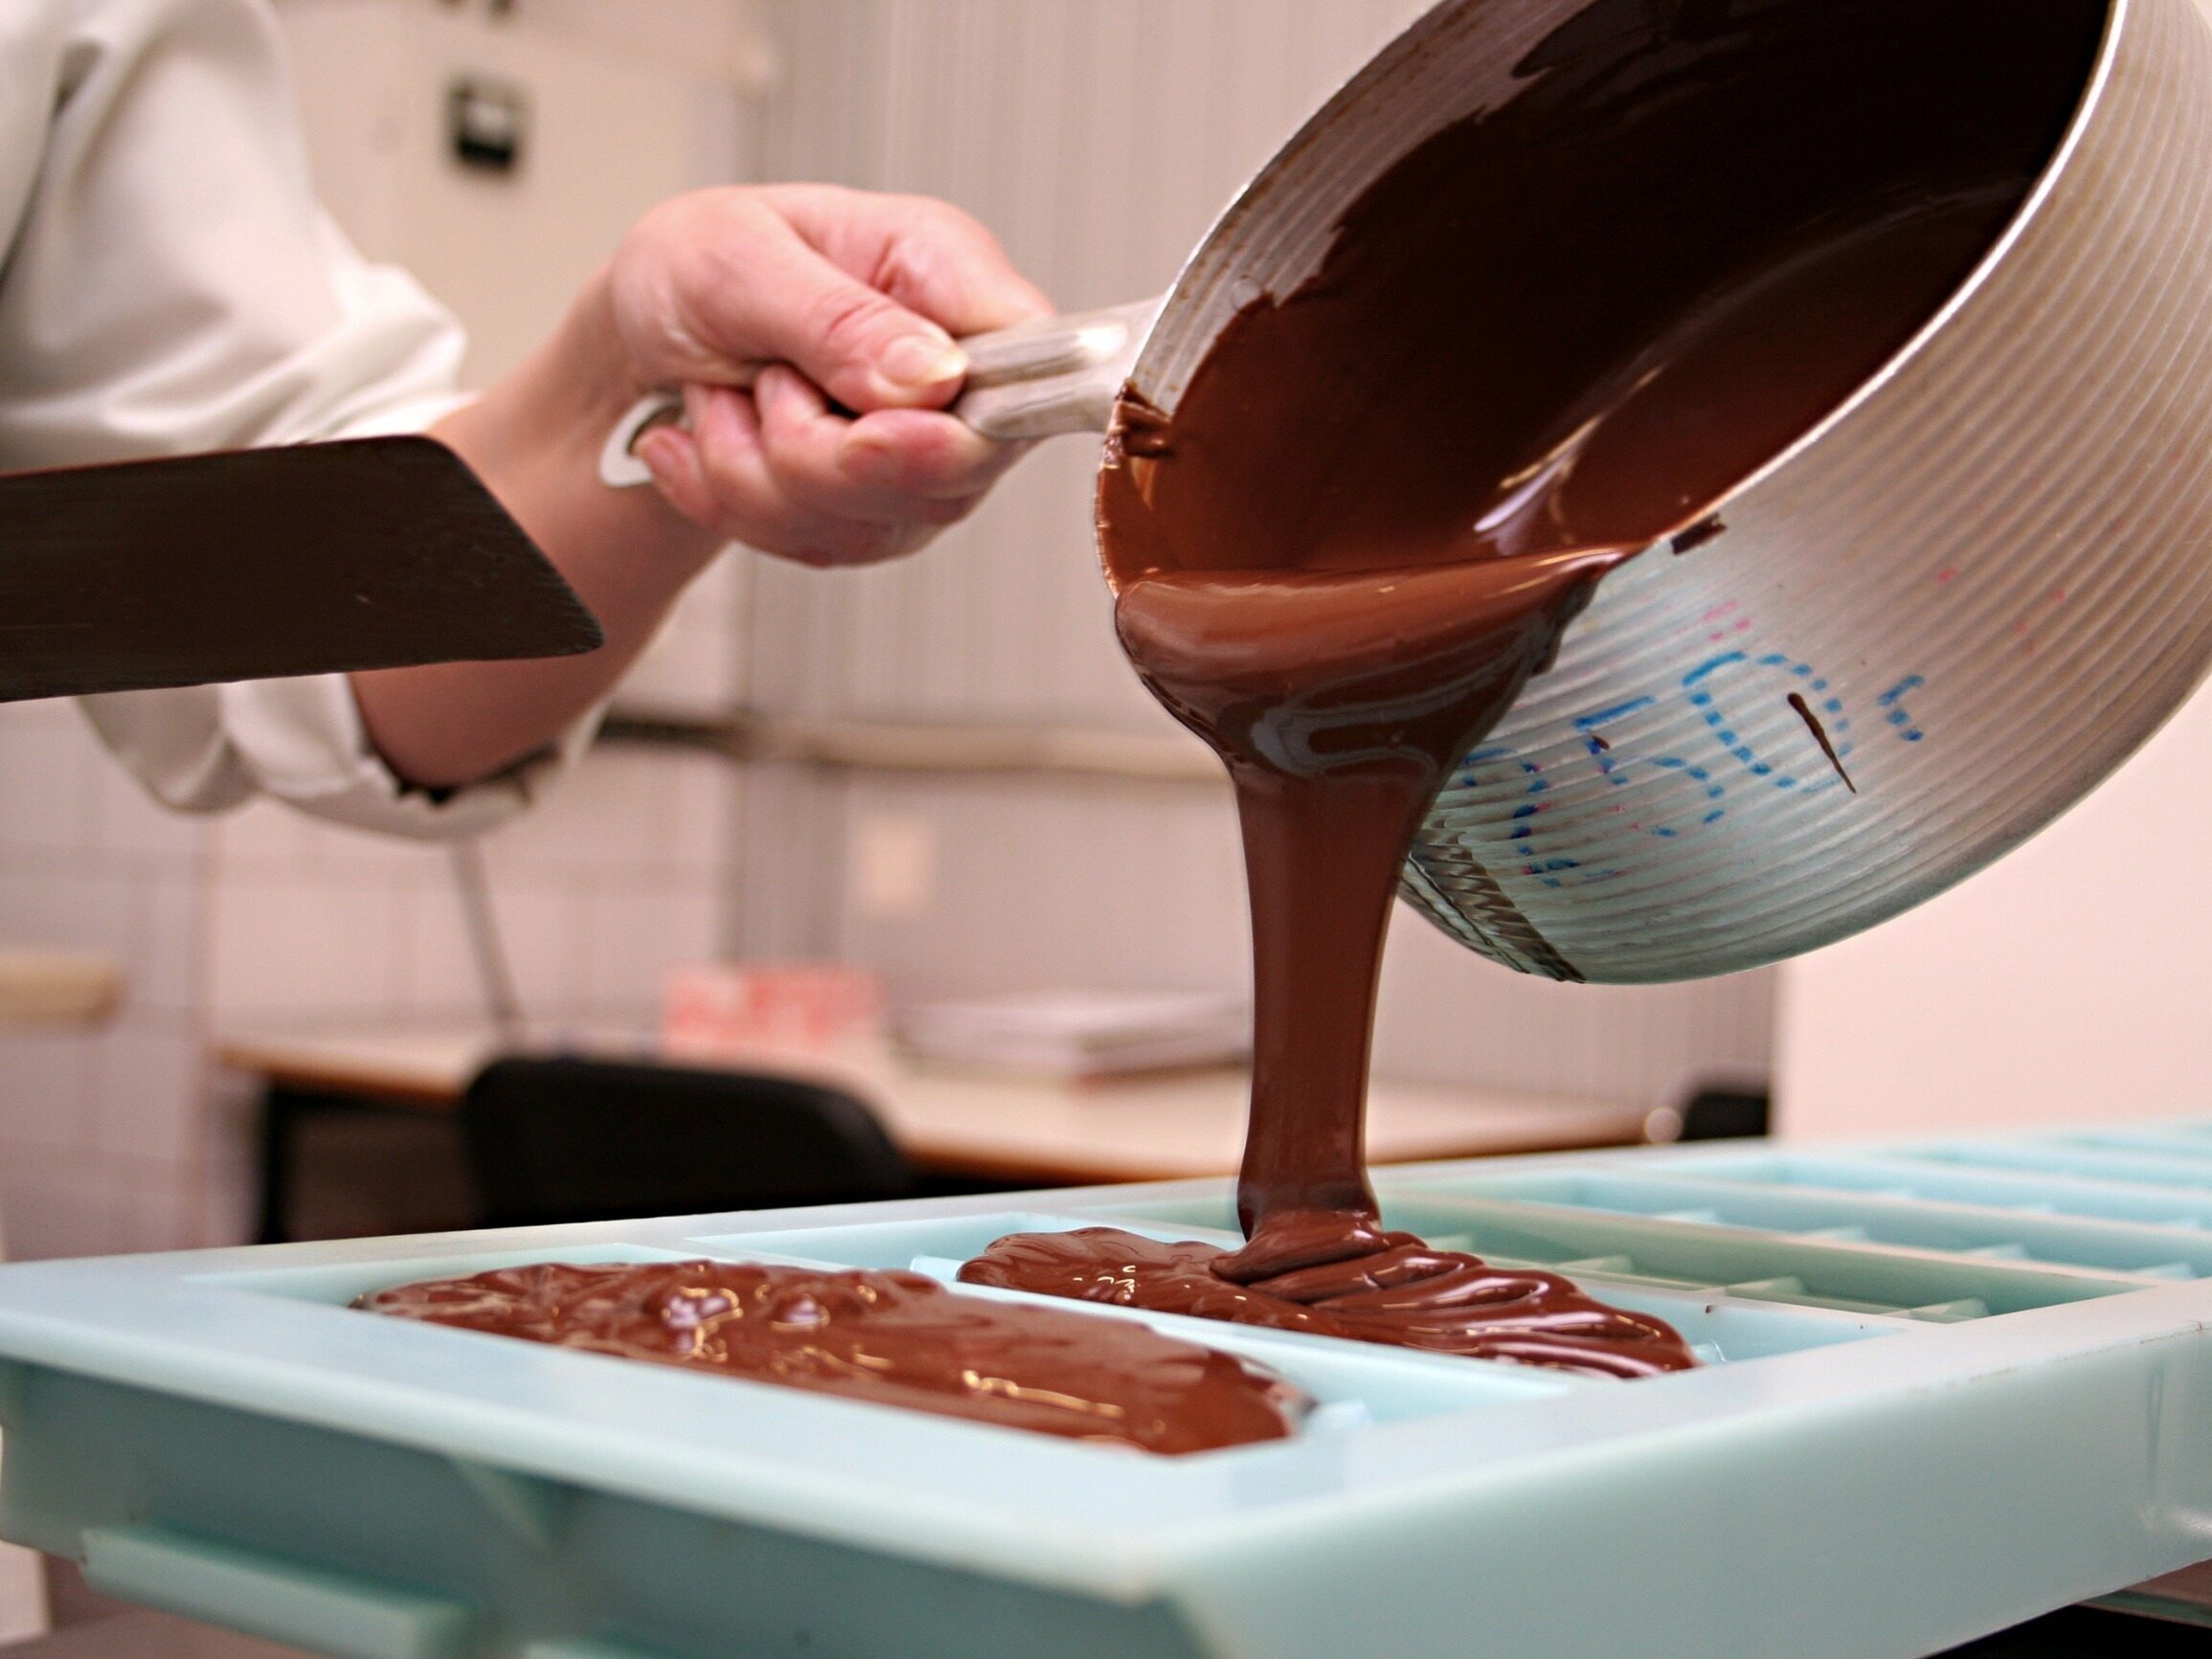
pixel 535 435
pixel 584 376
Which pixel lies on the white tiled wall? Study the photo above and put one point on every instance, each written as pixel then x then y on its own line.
pixel 621 871
pixel 123 1139
pixel 617 875
pixel 1037 883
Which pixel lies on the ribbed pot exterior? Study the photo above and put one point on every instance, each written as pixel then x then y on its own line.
pixel 1988 578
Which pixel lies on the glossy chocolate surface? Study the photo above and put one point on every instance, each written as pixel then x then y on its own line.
pixel 1369 1286
pixel 896 1339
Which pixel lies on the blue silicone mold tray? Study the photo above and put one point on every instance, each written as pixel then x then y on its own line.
pixel 1948 1386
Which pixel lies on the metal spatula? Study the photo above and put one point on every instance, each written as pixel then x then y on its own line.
pixel 369 553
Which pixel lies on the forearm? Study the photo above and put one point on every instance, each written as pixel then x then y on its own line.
pixel 534 440
pixel 812 330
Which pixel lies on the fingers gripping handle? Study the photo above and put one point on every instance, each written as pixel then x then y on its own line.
pixel 1033 380
pixel 1054 375
pixel 620 466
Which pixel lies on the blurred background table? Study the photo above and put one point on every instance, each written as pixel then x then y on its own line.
pixel 957 1129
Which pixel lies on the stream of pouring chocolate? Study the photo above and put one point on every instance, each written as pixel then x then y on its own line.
pixel 896 1338
pixel 1553 334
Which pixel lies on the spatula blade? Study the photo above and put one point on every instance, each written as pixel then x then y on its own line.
pixel 316 558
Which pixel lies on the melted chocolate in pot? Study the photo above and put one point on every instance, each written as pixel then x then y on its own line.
pixel 898 1338
pixel 1551 336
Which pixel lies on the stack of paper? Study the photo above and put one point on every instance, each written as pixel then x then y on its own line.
pixel 1082 1033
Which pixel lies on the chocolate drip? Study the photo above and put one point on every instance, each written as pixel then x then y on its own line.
pixel 1363 1284
pixel 896 1338
pixel 1804 713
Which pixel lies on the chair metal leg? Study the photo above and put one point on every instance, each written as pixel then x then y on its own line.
pixel 280 1109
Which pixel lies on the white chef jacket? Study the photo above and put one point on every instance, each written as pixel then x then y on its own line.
pixel 170 286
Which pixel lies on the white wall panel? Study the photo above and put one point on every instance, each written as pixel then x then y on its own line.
pixel 1098 138
pixel 2063 984
pixel 608 132
pixel 1041 883
pixel 1446 1013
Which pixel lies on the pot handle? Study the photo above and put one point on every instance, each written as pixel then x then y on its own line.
pixel 1033 380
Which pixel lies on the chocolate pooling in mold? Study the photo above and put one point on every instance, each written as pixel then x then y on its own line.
pixel 1394 1289
pixel 894 1339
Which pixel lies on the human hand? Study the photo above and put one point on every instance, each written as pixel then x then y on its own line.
pixel 811 330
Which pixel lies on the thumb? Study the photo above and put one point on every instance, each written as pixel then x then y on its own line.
pixel 775 297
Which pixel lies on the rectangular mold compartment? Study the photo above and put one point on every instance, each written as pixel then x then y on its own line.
pixel 1356 1384
pixel 217 1431
pixel 1614 1253
pixel 434 1556
pixel 1919 1223
pixel 2138 1167
pixel 1719 1330
pixel 2180 1141
pixel 1884 1280
pixel 1881 1173
pixel 339 1284
pixel 364 1546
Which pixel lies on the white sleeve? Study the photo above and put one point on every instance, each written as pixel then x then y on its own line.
pixel 173 286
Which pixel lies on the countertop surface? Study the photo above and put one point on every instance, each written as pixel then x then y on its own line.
pixel 1152 1128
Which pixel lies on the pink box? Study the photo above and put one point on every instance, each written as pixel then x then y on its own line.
pixel 713 1010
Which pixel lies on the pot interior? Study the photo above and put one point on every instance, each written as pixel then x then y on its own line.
pixel 1666 245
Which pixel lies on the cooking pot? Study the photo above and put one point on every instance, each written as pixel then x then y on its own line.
pixel 1988 574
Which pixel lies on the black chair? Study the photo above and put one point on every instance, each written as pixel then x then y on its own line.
pixel 1726 1114
pixel 587 1140
pixel 2088 1633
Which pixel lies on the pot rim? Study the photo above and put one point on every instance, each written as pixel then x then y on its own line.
pixel 1247 219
